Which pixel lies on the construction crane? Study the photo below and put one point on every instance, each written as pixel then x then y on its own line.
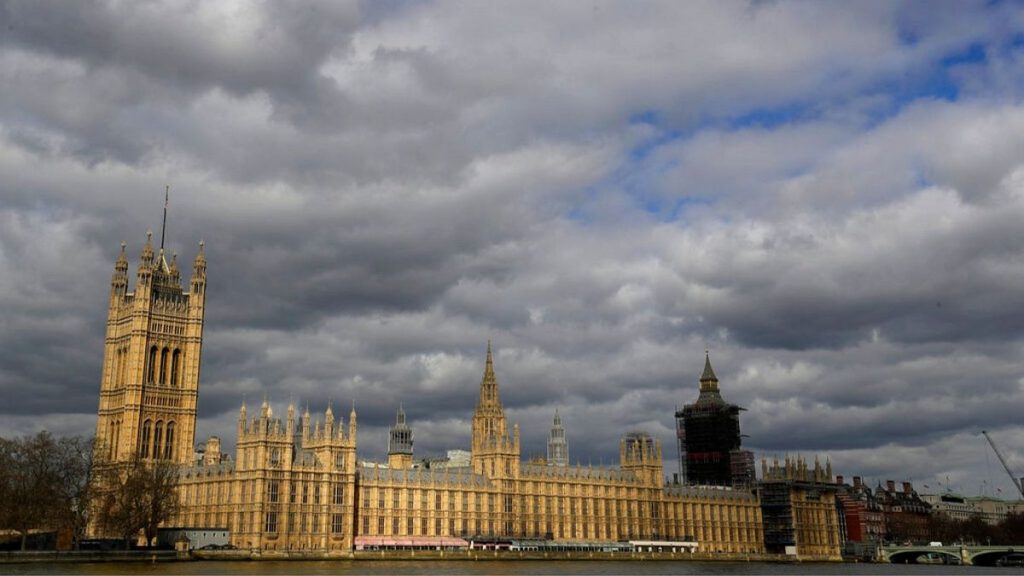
pixel 1014 479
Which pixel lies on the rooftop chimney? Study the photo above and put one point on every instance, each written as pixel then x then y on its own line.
pixel 908 488
pixel 890 486
pixel 839 480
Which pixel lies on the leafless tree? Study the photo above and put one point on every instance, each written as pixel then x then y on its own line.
pixel 75 485
pixel 27 487
pixel 135 496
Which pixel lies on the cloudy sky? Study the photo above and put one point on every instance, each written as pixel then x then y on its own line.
pixel 829 196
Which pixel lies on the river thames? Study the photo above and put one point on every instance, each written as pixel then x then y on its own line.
pixel 545 567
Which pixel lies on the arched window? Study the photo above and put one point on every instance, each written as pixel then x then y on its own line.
pixel 158 437
pixel 124 366
pixel 175 360
pixel 151 369
pixel 144 441
pixel 169 444
pixel 110 440
pixel 163 366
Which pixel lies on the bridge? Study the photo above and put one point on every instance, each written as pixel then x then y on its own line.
pixel 953 554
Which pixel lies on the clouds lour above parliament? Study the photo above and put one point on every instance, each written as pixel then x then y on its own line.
pixel 828 195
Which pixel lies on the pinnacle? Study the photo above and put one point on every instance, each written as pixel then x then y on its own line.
pixel 709 372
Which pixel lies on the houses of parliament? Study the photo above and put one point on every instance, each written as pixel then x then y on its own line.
pixel 296 483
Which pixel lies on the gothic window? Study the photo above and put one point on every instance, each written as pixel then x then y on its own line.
pixel 144 443
pixel 339 494
pixel 169 442
pixel 151 368
pixel 380 525
pixel 336 524
pixel 163 366
pixel 272 496
pixel 316 494
pixel 110 441
pixel 117 434
pixel 291 493
pixel 305 493
pixel 275 457
pixel 339 461
pixel 271 524
pixel 175 362
pixel 158 438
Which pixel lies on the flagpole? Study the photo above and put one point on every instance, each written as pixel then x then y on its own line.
pixel 163 229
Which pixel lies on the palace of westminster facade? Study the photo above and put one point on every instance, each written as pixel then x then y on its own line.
pixel 295 484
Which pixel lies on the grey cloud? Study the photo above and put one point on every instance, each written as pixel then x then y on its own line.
pixel 382 188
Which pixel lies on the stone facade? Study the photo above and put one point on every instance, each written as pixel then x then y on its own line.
pixel 293 487
pixel 296 485
pixel 800 510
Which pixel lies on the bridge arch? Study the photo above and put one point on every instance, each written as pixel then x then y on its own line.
pixel 991 557
pixel 924 555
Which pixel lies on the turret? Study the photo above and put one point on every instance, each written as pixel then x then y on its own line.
pixel 400 441
pixel 352 424
pixel 119 281
pixel 558 446
pixel 290 422
pixel 198 282
pixel 172 271
pixel 641 454
pixel 144 276
pixel 242 418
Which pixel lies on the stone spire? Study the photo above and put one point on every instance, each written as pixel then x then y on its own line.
pixel 489 384
pixel 558 446
pixel 352 423
pixel 147 250
pixel 119 281
pixel 198 281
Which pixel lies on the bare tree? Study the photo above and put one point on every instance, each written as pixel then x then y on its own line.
pixel 136 496
pixel 30 478
pixel 75 485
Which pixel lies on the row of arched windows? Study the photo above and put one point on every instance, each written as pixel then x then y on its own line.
pixel 113 436
pixel 120 366
pixel 164 366
pixel 157 442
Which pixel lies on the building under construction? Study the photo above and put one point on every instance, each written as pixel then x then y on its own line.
pixel 709 438
pixel 799 509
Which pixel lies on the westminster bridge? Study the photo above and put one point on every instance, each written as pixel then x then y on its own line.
pixel 987 555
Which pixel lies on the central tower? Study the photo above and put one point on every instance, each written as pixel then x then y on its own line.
pixel 495 452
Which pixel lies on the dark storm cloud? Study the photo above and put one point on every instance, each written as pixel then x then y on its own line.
pixel 602 192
